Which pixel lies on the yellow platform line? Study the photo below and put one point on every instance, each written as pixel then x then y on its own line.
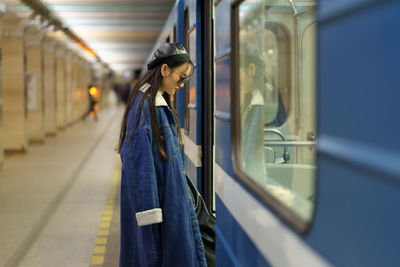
pixel 103 233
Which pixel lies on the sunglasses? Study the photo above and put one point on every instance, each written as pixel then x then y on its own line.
pixel 183 79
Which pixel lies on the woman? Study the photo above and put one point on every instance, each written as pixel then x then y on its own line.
pixel 159 226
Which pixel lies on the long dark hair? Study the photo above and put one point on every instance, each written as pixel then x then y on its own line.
pixel 154 78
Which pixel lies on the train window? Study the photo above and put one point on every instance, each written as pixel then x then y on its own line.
pixel 192 53
pixel 274 90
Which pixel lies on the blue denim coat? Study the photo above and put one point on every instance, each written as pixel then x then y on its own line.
pixel 159 226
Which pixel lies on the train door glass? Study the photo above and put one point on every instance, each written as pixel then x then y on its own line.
pixel 276 100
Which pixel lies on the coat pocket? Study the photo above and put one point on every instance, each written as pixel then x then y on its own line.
pixel 169 141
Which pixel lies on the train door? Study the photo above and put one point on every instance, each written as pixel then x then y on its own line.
pixel 208 152
pixel 193 117
pixel 199 99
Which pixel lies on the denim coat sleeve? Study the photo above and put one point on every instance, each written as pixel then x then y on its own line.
pixel 144 180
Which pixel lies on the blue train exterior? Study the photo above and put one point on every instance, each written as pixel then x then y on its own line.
pixel 354 217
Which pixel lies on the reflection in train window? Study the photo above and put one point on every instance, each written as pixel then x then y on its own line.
pixel 277 100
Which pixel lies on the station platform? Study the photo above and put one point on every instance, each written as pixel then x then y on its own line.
pixel 59 201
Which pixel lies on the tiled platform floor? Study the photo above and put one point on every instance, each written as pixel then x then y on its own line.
pixel 53 196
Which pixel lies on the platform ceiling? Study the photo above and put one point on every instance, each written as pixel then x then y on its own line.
pixel 121 32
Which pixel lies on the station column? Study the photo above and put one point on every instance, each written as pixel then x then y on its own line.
pixel 77 106
pixel 74 86
pixel 106 86
pixel 49 86
pixel 85 83
pixel 60 86
pixel 69 54
pixel 2 10
pixel 13 84
pixel 34 84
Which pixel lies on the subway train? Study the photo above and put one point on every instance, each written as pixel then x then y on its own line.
pixel 290 129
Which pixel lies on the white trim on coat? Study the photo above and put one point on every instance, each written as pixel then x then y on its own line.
pixel 149 217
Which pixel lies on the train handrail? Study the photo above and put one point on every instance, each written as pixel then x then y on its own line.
pixel 286 155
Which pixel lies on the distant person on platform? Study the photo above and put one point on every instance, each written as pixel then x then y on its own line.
pixel 92 93
pixel 126 92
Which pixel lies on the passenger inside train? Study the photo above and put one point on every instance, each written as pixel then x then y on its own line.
pixel 252 113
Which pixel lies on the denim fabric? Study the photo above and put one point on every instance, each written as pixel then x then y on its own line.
pixel 149 183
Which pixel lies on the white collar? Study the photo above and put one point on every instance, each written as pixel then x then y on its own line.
pixel 159 101
pixel 257 99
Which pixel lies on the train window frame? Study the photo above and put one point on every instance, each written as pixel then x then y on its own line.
pixel 175 96
pixel 186 86
pixel 299 224
pixel 209 108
